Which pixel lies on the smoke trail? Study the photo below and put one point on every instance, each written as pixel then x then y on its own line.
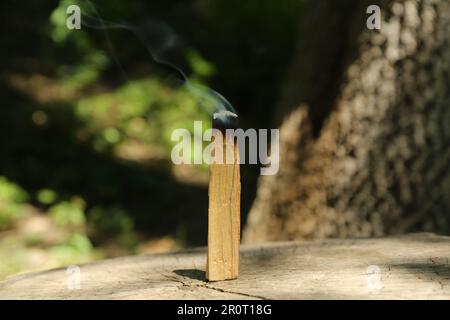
pixel 157 42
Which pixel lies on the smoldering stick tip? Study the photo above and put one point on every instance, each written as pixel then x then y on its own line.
pixel 225 120
pixel 223 114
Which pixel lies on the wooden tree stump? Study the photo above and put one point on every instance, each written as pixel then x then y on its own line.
pixel 414 266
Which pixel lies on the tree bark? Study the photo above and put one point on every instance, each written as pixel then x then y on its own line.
pixel 364 119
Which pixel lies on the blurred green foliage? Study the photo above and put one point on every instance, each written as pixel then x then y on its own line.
pixel 12 198
pixel 88 174
pixel 143 110
pixel 68 214
pixel 30 236
pixel 113 222
pixel 11 192
pixel 46 196
pixel 77 248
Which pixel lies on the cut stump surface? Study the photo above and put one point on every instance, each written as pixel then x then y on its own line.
pixel 414 266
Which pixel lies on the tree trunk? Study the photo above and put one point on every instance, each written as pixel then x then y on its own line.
pixel 364 122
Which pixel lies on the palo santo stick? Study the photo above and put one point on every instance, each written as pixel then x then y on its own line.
pixel 224 205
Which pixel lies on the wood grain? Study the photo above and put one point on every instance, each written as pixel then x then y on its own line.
pixel 411 267
pixel 224 216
